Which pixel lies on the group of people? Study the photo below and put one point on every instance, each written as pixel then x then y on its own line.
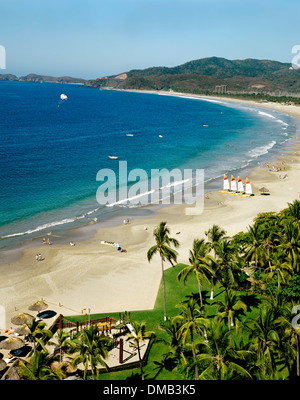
pixel 38 257
pixel 46 242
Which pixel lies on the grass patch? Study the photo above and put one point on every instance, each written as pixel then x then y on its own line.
pixel 176 292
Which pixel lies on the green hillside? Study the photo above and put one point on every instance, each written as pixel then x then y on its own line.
pixel 239 76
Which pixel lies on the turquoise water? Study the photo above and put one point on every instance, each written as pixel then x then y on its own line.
pixel 50 155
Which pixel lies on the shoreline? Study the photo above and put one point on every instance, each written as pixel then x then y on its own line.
pixel 13 251
pixel 96 276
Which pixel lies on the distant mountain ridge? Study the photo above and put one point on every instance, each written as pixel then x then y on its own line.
pixel 249 75
pixel 42 79
pixel 205 75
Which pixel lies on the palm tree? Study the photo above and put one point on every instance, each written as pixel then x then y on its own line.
pixel 227 262
pixel 264 334
pixel 293 210
pixel 214 235
pixel 162 246
pixel 39 367
pixel 219 360
pixel 255 251
pixel 201 270
pixel 92 349
pixel 291 242
pixel 174 340
pixel 138 335
pixel 279 268
pixel 290 333
pixel 62 337
pixel 38 333
pixel 192 323
pixel 230 307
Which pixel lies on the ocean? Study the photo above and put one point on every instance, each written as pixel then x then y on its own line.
pixel 51 150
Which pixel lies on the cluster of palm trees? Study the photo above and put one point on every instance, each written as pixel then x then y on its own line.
pixel 248 332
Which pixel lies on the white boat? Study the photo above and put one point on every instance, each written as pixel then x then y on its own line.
pixel 225 183
pixel 160 136
pixel 240 185
pixel 129 134
pixel 113 157
pixel 233 184
pixel 248 187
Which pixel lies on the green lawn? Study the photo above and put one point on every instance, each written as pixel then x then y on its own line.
pixel 176 292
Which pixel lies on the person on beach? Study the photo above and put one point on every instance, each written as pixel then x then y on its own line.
pixel 37 257
pixel 44 240
pixel 48 241
pixel 40 257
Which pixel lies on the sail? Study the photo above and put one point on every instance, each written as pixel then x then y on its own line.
pixel 233 183
pixel 225 183
pixel 248 187
pixel 240 185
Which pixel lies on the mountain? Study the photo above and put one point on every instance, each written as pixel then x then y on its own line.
pixel 8 77
pixel 51 79
pixel 203 75
pixel 42 78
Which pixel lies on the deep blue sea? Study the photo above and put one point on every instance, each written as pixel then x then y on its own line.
pixel 50 155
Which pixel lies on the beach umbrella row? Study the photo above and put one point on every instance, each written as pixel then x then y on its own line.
pixel 22 319
pixel 25 318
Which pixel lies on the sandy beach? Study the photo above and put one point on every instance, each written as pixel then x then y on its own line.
pixel 96 276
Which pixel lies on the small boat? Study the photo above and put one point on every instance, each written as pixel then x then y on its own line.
pixel 225 183
pixel 129 134
pixel 113 157
pixel 160 136
pixel 233 184
pixel 248 187
pixel 205 125
pixel 240 185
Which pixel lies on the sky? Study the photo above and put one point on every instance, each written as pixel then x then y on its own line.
pixel 94 38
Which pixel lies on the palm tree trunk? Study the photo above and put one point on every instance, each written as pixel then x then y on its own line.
pixel 141 362
pixel 229 328
pixel 164 289
pixel 92 367
pixel 200 294
pixel 194 357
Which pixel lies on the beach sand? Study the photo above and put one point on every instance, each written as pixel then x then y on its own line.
pixel 96 276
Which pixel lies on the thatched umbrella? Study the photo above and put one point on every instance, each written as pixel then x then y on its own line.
pixel 3 365
pixel 12 343
pixel 39 305
pixel 23 330
pixel 65 366
pixel 22 318
pixel 264 190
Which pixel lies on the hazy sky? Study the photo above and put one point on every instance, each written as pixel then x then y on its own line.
pixel 94 38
